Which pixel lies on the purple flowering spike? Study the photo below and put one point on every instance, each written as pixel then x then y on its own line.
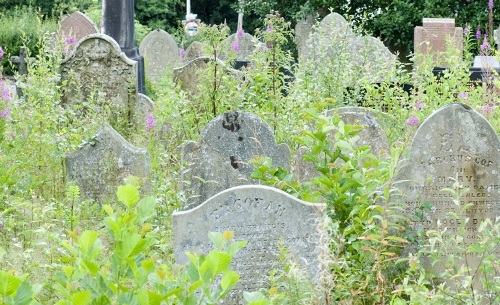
pixel 412 121
pixel 239 32
pixel 1 52
pixel 490 4
pixel 236 46
pixel 5 113
pixel 488 110
pixel 150 121
pixel 182 52
pixel 478 34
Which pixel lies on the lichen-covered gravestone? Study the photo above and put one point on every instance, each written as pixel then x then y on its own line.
pixel 97 67
pixel 161 54
pixel 262 216
pixel 247 45
pixel 221 158
pixel 454 145
pixel 143 107
pixel 187 75
pixel 77 25
pixel 102 164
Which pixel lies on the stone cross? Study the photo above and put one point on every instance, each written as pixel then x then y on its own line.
pixel 22 61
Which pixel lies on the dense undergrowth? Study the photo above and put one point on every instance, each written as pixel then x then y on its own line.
pixel 57 248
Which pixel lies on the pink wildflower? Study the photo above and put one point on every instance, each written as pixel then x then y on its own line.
pixel 4 113
pixel 239 32
pixel 419 105
pixel 463 95
pixel 412 121
pixel 182 52
pixel 70 40
pixel 485 46
pixel 269 28
pixel 490 4
pixel 1 52
pixel 466 31
pixel 488 110
pixel 236 46
pixel 150 121
pixel 478 34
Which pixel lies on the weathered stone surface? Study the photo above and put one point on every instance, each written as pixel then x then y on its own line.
pixel 247 44
pixel 455 144
pixel 221 158
pixel 98 67
pixel 77 26
pixel 303 29
pixel 100 166
pixel 187 75
pixel 431 38
pixel 371 135
pixel 161 54
pixel 143 106
pixel 196 49
pixel 260 215
pixel 334 45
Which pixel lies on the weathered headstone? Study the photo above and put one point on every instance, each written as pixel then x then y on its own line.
pixel 221 158
pixel 303 29
pixel 98 66
pixel 334 45
pixel 143 106
pixel 161 54
pixel 247 45
pixel 100 166
pixel 262 216
pixel 77 25
pixel 196 49
pixel 187 75
pixel 430 38
pixel 371 135
pixel 454 145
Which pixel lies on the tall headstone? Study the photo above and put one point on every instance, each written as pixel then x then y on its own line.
pixel 262 216
pixel 187 75
pixel 303 29
pixel 161 54
pixel 221 158
pixel 100 166
pixel 334 45
pixel 430 38
pixel 98 66
pixel 454 145
pixel 118 23
pixel 247 45
pixel 77 25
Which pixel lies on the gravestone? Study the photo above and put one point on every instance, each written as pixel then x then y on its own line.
pixel 77 25
pixel 161 54
pixel 371 135
pixel 496 37
pixel 101 164
pixel 430 38
pixel 247 44
pixel 262 216
pixel 221 157
pixel 335 47
pixel 187 75
pixel 303 29
pixel 196 49
pixel 454 144
pixel 143 106
pixel 98 67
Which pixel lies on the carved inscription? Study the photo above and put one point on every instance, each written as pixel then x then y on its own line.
pixel 457 149
pixel 262 216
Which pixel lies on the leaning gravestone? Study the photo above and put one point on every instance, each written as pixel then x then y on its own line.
pixel 455 144
pixel 221 158
pixel 98 67
pixel 247 45
pixel 100 166
pixel 77 26
pixel 196 49
pixel 161 54
pixel 262 216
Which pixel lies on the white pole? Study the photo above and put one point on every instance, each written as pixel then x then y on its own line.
pixel 188 8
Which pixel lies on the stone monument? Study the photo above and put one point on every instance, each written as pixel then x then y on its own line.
pixel 161 54
pixel 77 25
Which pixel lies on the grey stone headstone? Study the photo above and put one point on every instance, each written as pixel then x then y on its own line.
pixel 371 135
pixel 196 49
pixel 143 106
pixel 77 26
pixel 161 54
pixel 262 216
pixel 303 29
pixel 221 158
pixel 97 66
pixel 247 44
pixel 187 75
pixel 496 37
pixel 489 62
pixel 454 144
pixel 101 164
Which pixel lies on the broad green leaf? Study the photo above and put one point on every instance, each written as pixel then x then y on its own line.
pixel 195 286
pixel 233 248
pixel 81 298
pixel 24 294
pixel 217 239
pixel 128 195
pixel 254 298
pixel 8 283
pixel 217 261
pixel 88 244
pixel 146 208
pixel 229 279
pixel 343 145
